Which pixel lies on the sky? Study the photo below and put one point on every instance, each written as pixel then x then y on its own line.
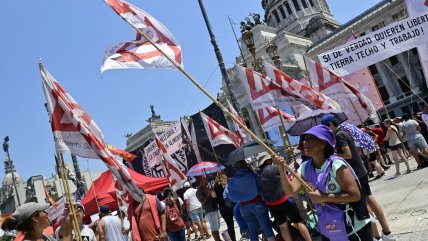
pixel 71 36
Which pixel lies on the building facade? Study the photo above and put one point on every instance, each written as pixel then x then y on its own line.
pixel 307 27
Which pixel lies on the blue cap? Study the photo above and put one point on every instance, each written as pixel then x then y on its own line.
pixel 327 119
pixel 321 132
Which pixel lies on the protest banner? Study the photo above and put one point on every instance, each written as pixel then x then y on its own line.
pixel 173 141
pixel 377 46
pixel 56 212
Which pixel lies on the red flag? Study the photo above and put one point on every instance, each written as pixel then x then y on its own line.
pixel 175 176
pixel 337 88
pixel 124 154
pixel 82 125
pixel 140 53
pixel 269 118
pixel 218 134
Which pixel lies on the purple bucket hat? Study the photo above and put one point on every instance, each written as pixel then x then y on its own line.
pixel 322 132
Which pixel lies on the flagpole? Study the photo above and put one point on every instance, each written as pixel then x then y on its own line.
pixel 254 136
pixel 219 57
pixel 308 79
pixel 284 136
pixel 237 42
pixel 167 170
pixel 92 181
pixel 72 211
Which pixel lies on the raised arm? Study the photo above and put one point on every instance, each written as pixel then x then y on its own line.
pixel 291 187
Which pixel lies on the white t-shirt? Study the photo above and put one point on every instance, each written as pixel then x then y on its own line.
pixel 112 228
pixel 86 233
pixel 190 195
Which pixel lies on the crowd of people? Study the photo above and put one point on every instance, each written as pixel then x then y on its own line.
pixel 263 199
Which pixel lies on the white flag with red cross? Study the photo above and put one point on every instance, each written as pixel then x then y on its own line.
pixel 79 133
pixel 175 176
pixel 218 134
pixel 270 118
pixel 140 53
pixel 327 82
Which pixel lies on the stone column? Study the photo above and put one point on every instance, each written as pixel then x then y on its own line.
pixel 409 69
pixel 299 2
pixel 293 9
pixel 388 80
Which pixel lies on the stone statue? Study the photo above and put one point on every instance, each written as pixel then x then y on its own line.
pixel 154 116
pixel 243 27
pixel 256 18
pixel 249 23
pixel 6 144
pixel 152 109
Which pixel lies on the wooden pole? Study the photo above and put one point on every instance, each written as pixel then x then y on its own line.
pixel 285 139
pixel 74 223
pixel 254 136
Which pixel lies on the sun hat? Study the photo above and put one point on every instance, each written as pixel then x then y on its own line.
pixel 321 132
pixel 262 157
pixel 186 184
pixel 26 210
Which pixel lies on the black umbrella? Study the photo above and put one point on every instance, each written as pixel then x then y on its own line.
pixel 248 150
pixel 313 118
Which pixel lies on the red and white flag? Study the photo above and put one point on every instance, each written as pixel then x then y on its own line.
pixel 270 118
pixel 327 82
pixel 140 53
pixel 218 134
pixel 263 92
pixel 72 124
pixel 242 134
pixel 308 95
pixel 175 176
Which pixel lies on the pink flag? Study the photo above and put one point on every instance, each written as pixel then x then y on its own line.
pixel 175 176
pixel 218 134
pixel 306 94
pixel 269 118
pixel 245 137
pixel 340 90
pixel 70 122
pixel 140 53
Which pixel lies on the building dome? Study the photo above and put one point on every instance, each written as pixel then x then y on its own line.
pixel 7 179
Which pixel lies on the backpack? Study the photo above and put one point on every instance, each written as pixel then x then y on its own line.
pixel 174 222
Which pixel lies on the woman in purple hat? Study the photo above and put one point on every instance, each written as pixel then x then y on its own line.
pixel 341 212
